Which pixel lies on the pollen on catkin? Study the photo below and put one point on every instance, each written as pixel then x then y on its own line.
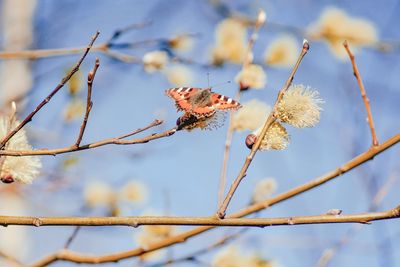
pixel 264 189
pixel 155 61
pixel 99 194
pixel 251 76
pixel 134 192
pixel 21 169
pixel 300 107
pixel 251 115
pixel 230 42
pixel 282 52
pixel 335 26
pixel 276 138
pixel 179 75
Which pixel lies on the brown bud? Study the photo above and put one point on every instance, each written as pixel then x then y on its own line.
pixel 8 179
pixel 178 121
pixel 243 87
pixel 306 45
pixel 250 140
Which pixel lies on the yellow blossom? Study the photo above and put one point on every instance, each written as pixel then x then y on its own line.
pixel 251 76
pixel 155 60
pixel 251 115
pixel 276 137
pixel 229 257
pixel 282 52
pixel 21 169
pixel 134 191
pixel 234 256
pixel 256 260
pixel 230 42
pixel 74 110
pixel 179 75
pixel 300 107
pixel 182 43
pixel 263 189
pixel 99 194
pixel 75 83
pixel 336 26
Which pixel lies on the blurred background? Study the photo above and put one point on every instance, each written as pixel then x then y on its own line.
pixel 178 43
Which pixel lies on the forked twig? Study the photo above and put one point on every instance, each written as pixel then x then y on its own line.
pixel 271 119
pixel 48 98
pixel 363 94
pixel 89 103
pixel 110 141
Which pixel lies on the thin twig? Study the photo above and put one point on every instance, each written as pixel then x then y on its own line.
pixel 72 237
pixel 48 98
pixel 271 119
pixel 363 94
pixel 229 135
pixel 117 33
pixel 89 103
pixel 151 125
pixel 182 237
pixel 110 141
pixel 329 253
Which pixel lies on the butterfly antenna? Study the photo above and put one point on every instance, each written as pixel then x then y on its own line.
pixel 208 80
pixel 218 84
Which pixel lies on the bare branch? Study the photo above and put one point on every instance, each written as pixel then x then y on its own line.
pixel 89 102
pixel 228 141
pixel 48 98
pixel 182 237
pixel 110 141
pixel 133 221
pixel 363 94
pixel 271 119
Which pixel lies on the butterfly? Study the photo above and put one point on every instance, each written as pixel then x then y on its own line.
pixel 201 103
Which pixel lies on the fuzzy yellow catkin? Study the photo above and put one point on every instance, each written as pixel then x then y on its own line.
pixel 134 191
pixel 252 76
pixel 300 107
pixel 179 75
pixel 276 137
pixel 251 116
pixel 335 25
pixel 21 169
pixel 99 194
pixel 155 61
pixel 264 189
pixel 230 42
pixel 282 52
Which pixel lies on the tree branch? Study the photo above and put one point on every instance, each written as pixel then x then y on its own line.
pixel 182 237
pixel 48 98
pixel 89 102
pixel 271 119
pixel 228 141
pixel 363 94
pixel 110 141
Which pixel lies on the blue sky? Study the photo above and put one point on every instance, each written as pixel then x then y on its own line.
pixel 186 166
